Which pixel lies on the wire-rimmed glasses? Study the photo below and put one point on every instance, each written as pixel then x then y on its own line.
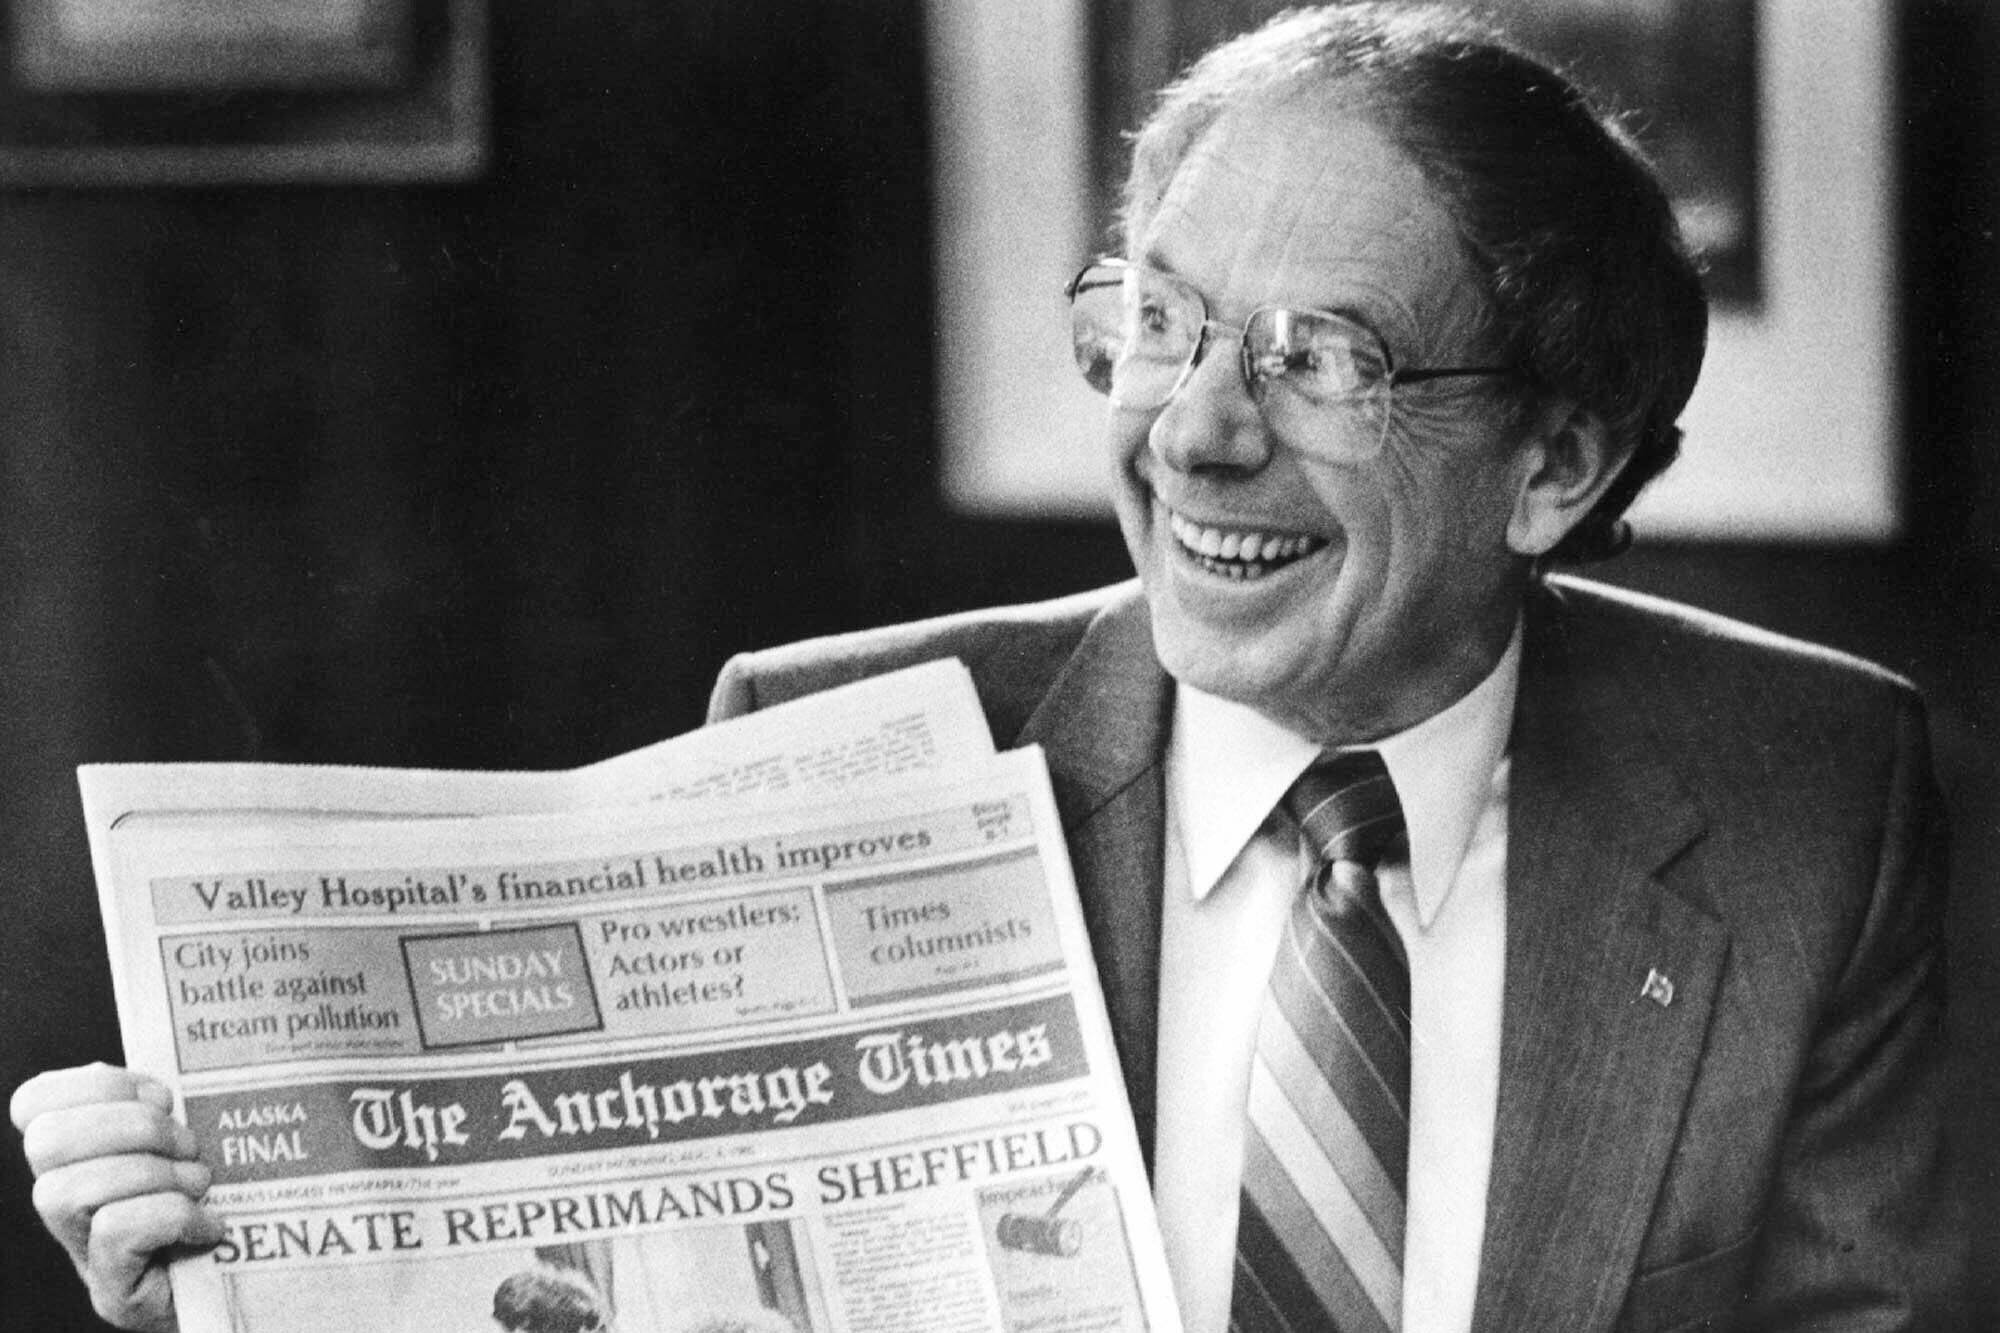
pixel 1323 381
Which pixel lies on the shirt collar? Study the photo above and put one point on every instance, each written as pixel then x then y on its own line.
pixel 1231 764
pixel 1443 770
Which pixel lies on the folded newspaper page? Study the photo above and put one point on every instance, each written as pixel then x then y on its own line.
pixel 903 728
pixel 900 729
pixel 840 1065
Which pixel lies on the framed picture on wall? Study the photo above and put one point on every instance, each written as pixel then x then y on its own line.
pixel 1770 120
pixel 223 92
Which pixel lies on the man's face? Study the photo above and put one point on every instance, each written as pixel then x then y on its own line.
pixel 1392 590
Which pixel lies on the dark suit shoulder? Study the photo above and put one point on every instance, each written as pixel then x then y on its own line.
pixel 1709 664
pixel 1013 652
pixel 1802 760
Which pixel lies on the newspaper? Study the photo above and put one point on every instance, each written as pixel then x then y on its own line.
pixel 695 1040
pixel 900 729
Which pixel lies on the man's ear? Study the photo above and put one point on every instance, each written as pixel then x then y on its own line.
pixel 1566 462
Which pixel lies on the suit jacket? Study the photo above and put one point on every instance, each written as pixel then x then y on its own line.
pixel 1751 818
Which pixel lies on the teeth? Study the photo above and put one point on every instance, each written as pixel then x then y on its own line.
pixel 1248 552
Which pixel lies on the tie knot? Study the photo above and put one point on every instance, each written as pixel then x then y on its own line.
pixel 1347 807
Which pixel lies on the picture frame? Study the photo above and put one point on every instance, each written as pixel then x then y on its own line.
pixel 223 92
pixel 1791 435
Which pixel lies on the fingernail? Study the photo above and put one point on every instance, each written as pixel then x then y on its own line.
pixel 154 1095
pixel 184 1142
pixel 194 1178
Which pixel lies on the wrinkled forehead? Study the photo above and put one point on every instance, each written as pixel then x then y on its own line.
pixel 1306 202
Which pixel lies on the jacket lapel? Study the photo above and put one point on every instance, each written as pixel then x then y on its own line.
pixel 1597 1057
pixel 1595 1074
pixel 1104 727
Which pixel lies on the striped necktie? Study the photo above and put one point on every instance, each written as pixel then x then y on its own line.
pixel 1326 1144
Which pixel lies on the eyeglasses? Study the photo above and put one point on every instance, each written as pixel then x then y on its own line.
pixel 1323 381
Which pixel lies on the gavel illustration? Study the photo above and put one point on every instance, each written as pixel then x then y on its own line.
pixel 1046 1233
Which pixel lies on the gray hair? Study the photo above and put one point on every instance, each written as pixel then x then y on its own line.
pixel 1596 294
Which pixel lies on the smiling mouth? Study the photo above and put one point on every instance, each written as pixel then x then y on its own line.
pixel 1237 553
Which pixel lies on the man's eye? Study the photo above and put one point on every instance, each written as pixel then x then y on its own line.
pixel 1300 365
pixel 1334 368
pixel 1154 331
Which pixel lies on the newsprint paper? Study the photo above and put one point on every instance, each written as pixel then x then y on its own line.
pixel 791 1021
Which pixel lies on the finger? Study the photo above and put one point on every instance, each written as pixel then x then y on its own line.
pixel 60 1089
pixel 130 1243
pixel 68 1198
pixel 57 1138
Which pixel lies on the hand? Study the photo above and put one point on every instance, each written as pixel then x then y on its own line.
pixel 117 1183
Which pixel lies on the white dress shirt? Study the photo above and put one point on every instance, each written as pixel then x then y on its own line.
pixel 1232 868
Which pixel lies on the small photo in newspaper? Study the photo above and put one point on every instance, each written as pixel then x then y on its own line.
pixel 1060 1259
pixel 740 1278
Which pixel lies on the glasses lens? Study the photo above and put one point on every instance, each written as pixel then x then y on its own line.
pixel 1133 333
pixel 1323 381
pixel 1096 308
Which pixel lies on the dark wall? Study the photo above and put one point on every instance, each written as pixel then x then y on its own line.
pixel 497 475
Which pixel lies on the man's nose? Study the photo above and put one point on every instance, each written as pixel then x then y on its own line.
pixel 1212 422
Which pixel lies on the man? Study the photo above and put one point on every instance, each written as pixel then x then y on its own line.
pixel 1670 904
pixel 1485 950
pixel 546 1299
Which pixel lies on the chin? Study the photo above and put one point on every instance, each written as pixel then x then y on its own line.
pixel 1211 661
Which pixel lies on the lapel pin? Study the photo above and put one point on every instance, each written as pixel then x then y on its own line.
pixel 1659 987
